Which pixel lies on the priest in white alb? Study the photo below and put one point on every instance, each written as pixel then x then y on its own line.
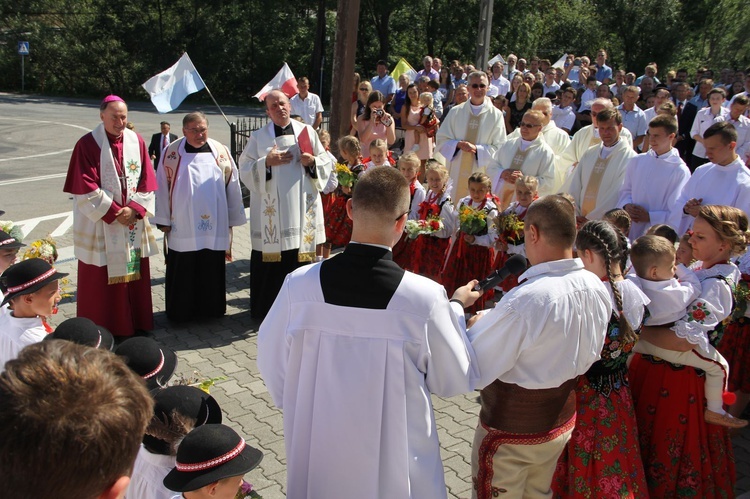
pixel 470 135
pixel 285 167
pixel 351 350
pixel 724 180
pixel 595 183
pixel 525 154
pixel 588 136
pixel 654 179
pixel 198 201
pixel 557 138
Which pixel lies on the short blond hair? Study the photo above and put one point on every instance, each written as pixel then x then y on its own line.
pixel 650 250
pixel 409 159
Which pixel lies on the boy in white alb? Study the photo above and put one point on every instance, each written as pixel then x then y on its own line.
pixel 653 259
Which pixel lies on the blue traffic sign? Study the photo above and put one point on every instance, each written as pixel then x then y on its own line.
pixel 23 48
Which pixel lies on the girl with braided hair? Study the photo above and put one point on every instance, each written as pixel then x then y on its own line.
pixel 603 457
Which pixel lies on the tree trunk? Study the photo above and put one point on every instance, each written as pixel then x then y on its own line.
pixel 343 68
pixel 318 49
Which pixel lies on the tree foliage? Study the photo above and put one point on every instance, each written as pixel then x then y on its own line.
pixel 92 47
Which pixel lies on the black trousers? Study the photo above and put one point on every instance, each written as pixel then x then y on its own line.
pixel 266 279
pixel 195 285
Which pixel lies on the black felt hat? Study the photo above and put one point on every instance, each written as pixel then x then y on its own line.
pixel 208 454
pixel 149 360
pixel 27 276
pixel 7 241
pixel 83 331
pixel 187 401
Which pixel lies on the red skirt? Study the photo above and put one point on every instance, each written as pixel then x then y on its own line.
pixel 466 262
pixel 735 347
pixel 402 252
pixel 682 455
pixel 428 254
pixel 602 458
pixel 338 224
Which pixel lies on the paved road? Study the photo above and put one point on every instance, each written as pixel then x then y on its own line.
pixel 225 347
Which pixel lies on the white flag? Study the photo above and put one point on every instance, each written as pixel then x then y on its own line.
pixel 560 63
pixel 169 88
pixel 497 58
pixel 284 81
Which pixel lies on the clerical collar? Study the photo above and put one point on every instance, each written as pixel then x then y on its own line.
pixel 476 109
pixel 287 130
pixel 372 244
pixel 525 144
pixel 190 149
pixel 606 151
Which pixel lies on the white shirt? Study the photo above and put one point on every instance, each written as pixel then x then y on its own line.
pixel 501 86
pixel 308 108
pixel 17 333
pixel 354 385
pixel 742 125
pixel 587 97
pixel 564 117
pixel 703 120
pixel 670 298
pixel 727 185
pixel 547 330
pixel 551 88
pixel 634 121
pixel 448 213
pixel 654 183
pixel 202 206
pixel 148 475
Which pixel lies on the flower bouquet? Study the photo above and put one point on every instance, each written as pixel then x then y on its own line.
pixel 346 177
pixel 509 228
pixel 11 229
pixel 471 220
pixel 245 491
pixel 741 297
pixel 46 249
pixel 416 228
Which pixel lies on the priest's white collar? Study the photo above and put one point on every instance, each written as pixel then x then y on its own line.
pixel 606 151
pixel 372 244
pixel 476 109
pixel 526 143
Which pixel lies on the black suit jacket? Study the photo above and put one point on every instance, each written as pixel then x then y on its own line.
pixel 684 124
pixel 154 149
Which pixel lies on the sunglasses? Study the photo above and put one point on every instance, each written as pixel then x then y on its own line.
pixel 527 125
pixel 364 89
pixel 478 85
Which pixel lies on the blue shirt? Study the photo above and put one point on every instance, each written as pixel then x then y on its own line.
pixel 385 85
pixel 603 73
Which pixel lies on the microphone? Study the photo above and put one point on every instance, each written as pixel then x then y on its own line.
pixel 515 265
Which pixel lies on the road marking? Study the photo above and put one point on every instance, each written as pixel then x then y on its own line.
pixel 28 225
pixel 32 179
pixel 63 227
pixel 37 156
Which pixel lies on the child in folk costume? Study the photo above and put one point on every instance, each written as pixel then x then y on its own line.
pixel 604 449
pixel 695 305
pixel 735 345
pixel 510 239
pixel 409 165
pixel 32 293
pixel 338 223
pixel 428 251
pixel 472 256
pixel 323 251
pixel 379 154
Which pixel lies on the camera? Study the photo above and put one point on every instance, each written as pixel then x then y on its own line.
pixel 379 112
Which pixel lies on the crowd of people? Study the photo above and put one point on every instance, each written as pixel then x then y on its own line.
pixel 623 345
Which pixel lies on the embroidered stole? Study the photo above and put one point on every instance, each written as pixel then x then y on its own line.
pixel 308 206
pixel 592 187
pixel 122 243
pixel 508 190
pixel 467 159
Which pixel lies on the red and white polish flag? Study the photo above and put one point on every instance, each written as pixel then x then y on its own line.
pixel 284 81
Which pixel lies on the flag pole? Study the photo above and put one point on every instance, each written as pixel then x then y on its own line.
pixel 217 104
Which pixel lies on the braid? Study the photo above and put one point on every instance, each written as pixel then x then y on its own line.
pixel 604 239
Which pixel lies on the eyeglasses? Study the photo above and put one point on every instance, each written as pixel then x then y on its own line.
pixel 528 125
pixel 364 89
pixel 478 85
pixel 197 131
